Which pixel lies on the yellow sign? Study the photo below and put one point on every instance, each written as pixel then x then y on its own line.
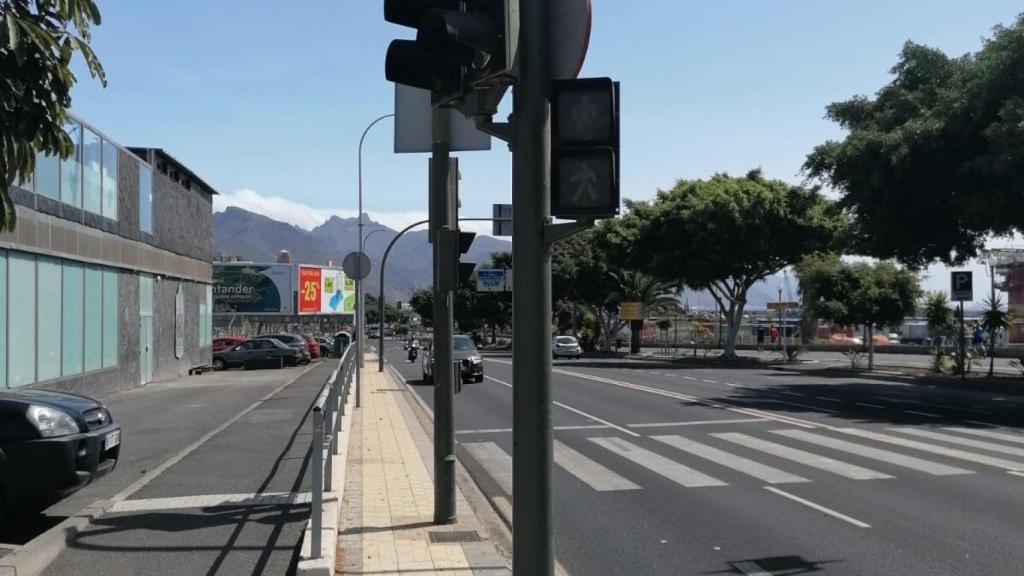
pixel 631 311
pixel 350 284
pixel 783 305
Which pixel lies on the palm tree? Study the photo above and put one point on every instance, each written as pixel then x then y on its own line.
pixel 939 315
pixel 994 319
pixel 655 297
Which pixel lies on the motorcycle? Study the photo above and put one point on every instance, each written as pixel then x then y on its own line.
pixel 413 352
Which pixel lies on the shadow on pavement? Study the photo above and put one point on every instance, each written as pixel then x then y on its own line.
pixel 22 527
pixel 777 565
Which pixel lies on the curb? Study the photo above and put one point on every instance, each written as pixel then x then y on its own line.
pixel 331 508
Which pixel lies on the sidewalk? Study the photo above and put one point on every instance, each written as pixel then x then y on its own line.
pixel 387 516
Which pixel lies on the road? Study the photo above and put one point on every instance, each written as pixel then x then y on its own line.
pixel 665 470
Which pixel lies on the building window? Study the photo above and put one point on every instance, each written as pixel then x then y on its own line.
pixel 71 168
pixel 48 314
pixel 3 319
pixel 110 153
pixel 93 318
pixel 145 198
pixel 73 308
pixel 21 320
pixel 110 318
pixel 47 178
pixel 92 172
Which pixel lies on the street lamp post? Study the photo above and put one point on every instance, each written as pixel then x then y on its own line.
pixel 782 328
pixel 360 327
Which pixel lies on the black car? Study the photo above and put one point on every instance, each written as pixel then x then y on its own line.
pixel 52 444
pixel 256 352
pixel 293 341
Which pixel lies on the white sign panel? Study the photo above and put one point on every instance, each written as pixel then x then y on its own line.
pixel 413 119
pixel 490 280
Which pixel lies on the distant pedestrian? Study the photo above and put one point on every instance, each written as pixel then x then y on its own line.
pixel 774 336
pixel 979 336
pixel 761 332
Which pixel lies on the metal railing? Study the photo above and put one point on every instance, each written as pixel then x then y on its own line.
pixel 328 410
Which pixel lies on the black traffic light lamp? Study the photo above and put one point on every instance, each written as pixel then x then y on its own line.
pixel 584 148
pixel 458 44
pixel 465 268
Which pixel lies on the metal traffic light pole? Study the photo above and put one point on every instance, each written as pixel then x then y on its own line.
pixel 444 228
pixel 532 533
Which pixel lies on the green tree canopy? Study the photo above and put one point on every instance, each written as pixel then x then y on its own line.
pixel 725 234
pixel 38 39
pixel 655 296
pixel 931 166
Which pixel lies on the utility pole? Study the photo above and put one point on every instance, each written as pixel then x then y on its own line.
pixel 531 299
pixel 445 228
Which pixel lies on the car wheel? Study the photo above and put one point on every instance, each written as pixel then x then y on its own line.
pixel 219 364
pixel 479 378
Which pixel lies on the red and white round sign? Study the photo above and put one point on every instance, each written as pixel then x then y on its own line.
pixel 570 37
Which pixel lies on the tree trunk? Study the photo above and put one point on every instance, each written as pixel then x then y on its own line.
pixel 735 319
pixel 636 328
pixel 871 346
pixel 991 353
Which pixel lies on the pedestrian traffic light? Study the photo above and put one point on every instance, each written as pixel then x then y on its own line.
pixel 584 148
pixel 459 44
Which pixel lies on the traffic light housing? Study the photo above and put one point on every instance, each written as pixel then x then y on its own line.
pixel 459 45
pixel 465 268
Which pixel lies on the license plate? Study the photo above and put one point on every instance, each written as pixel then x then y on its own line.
pixel 112 440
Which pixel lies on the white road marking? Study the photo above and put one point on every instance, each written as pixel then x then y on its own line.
pixel 949 438
pixel 802 457
pixel 894 458
pixel 213 501
pixel 750 569
pixel 495 460
pixel 712 381
pixel 979 423
pixel 927 414
pixel 593 474
pixel 485 431
pixel 688 377
pixel 578 411
pixel 749 467
pixel 668 394
pixel 790 393
pixel 868 405
pixel 696 423
pixel 735 385
pixel 988 434
pixel 811 406
pixel 934 449
pixel 1015 473
pixel 674 471
pixel 819 507
pixel 828 399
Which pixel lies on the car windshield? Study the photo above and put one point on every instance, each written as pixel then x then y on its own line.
pixel 463 344
pixel 566 340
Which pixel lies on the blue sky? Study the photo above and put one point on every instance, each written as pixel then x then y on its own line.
pixel 266 99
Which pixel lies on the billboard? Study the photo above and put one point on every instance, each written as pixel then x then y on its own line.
pixel 255 289
pixel 325 290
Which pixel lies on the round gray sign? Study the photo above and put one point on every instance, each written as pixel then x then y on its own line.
pixel 356 265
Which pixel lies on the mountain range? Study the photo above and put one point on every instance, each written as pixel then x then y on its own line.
pixel 257 238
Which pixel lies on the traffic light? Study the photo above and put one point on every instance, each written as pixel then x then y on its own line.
pixel 459 45
pixel 465 268
pixel 584 148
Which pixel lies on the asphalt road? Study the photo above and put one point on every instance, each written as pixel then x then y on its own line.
pixel 663 470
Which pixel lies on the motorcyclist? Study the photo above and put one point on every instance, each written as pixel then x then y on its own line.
pixel 414 347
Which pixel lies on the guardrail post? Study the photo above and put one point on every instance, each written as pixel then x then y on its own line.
pixel 317 447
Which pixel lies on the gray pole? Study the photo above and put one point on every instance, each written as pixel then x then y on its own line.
pixel 360 328
pixel 445 256
pixel 532 534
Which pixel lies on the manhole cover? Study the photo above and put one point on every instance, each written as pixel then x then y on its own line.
pixel 454 536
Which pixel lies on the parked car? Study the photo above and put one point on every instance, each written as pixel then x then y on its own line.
pixel 471 365
pixel 225 342
pixel 313 345
pixel 326 346
pixel 51 445
pixel 265 350
pixel 293 341
pixel 566 347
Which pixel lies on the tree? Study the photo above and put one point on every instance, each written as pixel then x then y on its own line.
pixel 38 39
pixel 581 268
pixel 422 303
pixel 994 319
pixel 815 273
pixel 865 294
pixel 655 297
pixel 725 234
pixel 938 316
pixel 931 165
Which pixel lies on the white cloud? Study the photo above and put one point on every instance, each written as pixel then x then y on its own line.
pixel 307 217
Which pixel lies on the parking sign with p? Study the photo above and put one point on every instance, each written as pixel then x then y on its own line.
pixel 962 286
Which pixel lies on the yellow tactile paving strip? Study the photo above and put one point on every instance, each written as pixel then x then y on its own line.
pixel 389 498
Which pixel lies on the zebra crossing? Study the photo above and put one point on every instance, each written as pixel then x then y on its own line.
pixel 773 456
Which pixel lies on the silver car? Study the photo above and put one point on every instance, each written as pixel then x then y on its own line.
pixel 565 347
pixel 471 365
